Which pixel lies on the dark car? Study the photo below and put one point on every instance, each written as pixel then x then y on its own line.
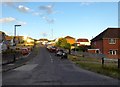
pixel 52 49
pixel 59 52
pixel 64 55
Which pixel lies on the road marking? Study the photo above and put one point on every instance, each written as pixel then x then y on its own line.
pixel 50 56
pixel 51 59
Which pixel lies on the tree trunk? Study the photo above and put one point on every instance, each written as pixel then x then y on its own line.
pixel 69 51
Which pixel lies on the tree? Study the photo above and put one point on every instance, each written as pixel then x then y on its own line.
pixel 62 42
pixel 68 46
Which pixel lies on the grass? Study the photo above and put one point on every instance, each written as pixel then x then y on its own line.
pixel 94 64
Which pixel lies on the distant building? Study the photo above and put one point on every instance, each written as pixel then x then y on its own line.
pixel 108 42
pixel 43 41
pixel 70 39
pixel 82 41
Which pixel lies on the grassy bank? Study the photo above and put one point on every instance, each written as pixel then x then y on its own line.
pixel 93 64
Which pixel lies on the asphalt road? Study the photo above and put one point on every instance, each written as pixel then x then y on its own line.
pixel 47 69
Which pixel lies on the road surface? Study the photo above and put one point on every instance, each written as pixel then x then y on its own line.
pixel 47 69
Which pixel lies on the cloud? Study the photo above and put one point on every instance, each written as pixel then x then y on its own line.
pixel 20 8
pixel 37 14
pixel 11 19
pixel 10 4
pixel 21 23
pixel 8 19
pixel 23 9
pixel 44 34
pixel 48 20
pixel 48 8
pixel 86 3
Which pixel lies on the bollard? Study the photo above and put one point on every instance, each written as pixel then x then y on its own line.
pixel 102 61
pixel 118 63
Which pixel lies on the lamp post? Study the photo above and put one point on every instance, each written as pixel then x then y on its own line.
pixel 15 33
pixel 14 59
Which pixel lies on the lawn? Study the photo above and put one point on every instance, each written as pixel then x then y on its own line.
pixel 95 65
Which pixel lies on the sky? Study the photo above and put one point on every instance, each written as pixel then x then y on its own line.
pixel 58 19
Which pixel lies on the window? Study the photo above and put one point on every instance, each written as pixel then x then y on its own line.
pixel 113 52
pixel 112 41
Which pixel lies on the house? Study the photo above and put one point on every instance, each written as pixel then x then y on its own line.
pixel 18 39
pixel 70 39
pixel 43 41
pixel 82 41
pixel 3 44
pixel 108 42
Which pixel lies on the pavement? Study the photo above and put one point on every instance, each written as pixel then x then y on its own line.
pixel 19 62
pixel 47 69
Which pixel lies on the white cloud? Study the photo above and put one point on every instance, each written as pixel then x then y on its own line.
pixel 8 19
pixel 48 20
pixel 11 19
pixel 11 4
pixel 86 3
pixel 37 14
pixel 23 9
pixel 48 9
pixel 21 23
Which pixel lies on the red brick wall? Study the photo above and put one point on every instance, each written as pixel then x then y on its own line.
pixel 98 45
pixel 104 47
pixel 108 47
pixel 119 49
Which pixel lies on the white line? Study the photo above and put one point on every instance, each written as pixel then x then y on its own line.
pixel 50 56
pixel 51 59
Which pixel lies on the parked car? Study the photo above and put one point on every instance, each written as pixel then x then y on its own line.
pixel 25 51
pixel 51 48
pixel 64 55
pixel 59 52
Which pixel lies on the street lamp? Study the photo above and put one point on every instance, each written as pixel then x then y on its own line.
pixel 15 33
pixel 14 59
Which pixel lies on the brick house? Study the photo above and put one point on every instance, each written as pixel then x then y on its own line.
pixel 108 42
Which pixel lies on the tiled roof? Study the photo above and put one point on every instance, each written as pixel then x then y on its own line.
pixel 108 33
pixel 70 37
pixel 82 40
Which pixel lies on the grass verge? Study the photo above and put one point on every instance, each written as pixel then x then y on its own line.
pixel 93 64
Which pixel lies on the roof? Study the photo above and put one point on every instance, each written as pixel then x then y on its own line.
pixel 11 37
pixel 43 39
pixel 69 37
pixel 108 33
pixel 8 37
pixel 82 40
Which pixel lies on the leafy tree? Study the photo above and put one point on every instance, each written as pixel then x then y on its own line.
pixel 68 46
pixel 62 42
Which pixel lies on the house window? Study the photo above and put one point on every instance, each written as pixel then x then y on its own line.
pixel 112 41
pixel 113 52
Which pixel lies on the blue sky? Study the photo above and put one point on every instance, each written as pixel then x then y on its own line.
pixel 59 19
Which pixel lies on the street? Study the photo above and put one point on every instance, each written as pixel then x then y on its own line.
pixel 48 69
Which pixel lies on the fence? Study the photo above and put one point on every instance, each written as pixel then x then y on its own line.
pixel 100 57
pixel 10 56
